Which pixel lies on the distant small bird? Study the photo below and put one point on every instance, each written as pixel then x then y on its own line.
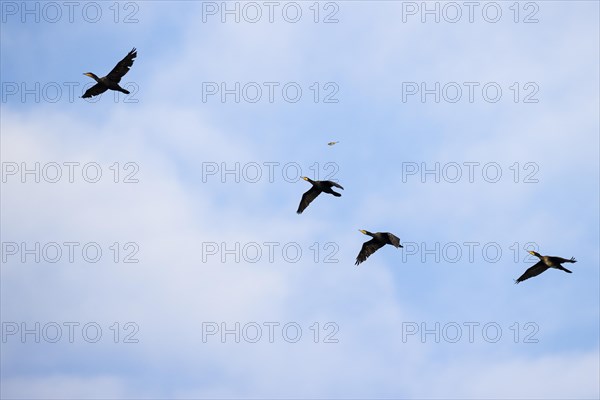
pixel 545 263
pixel 332 143
pixel 315 190
pixel 111 81
pixel 379 240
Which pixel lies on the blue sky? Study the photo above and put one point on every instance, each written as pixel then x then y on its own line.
pixel 175 211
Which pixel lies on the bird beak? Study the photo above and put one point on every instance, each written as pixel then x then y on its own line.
pixel 305 178
pixel 362 231
pixel 400 245
pixel 531 252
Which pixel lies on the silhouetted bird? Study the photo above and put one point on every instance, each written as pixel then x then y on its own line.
pixel 545 263
pixel 111 81
pixel 379 240
pixel 315 190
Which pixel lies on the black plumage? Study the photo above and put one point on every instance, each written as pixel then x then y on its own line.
pixel 379 240
pixel 317 188
pixel 545 263
pixel 111 81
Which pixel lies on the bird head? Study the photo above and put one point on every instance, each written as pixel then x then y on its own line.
pixel 91 75
pixel 533 253
pixel 305 178
pixel 362 231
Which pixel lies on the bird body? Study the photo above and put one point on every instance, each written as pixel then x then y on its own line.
pixel 107 83
pixel 111 81
pixel 545 263
pixel 317 188
pixel 379 240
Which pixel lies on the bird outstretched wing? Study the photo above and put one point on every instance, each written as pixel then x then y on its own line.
pixel 332 183
pixel 95 90
pixel 561 260
pixel 394 240
pixel 564 269
pixel 533 271
pixel 122 67
pixel 307 198
pixel 367 249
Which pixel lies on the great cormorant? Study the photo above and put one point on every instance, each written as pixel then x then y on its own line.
pixel 545 263
pixel 111 81
pixel 332 143
pixel 379 240
pixel 315 190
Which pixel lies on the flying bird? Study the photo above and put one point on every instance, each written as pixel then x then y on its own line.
pixel 111 81
pixel 315 190
pixel 379 240
pixel 545 263
pixel 332 143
